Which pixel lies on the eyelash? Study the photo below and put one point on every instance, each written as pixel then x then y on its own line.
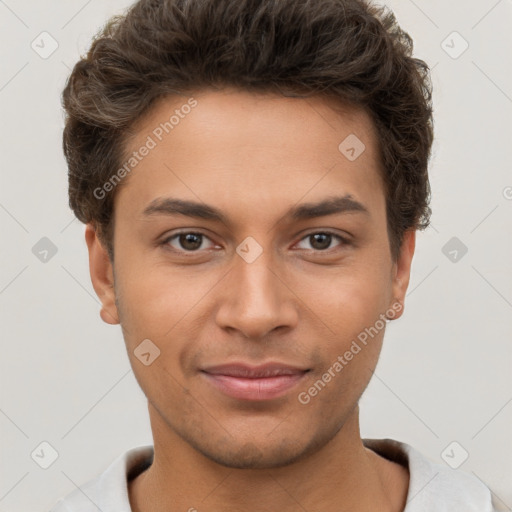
pixel 343 241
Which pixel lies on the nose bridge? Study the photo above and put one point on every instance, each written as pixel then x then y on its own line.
pixel 255 301
pixel 258 284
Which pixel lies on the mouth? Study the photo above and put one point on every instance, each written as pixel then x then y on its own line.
pixel 246 382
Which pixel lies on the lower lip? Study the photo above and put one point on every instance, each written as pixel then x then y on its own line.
pixel 265 388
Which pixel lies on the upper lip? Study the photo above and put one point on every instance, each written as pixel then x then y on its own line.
pixel 254 372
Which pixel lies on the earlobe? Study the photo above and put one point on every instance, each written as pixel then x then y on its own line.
pixel 402 272
pixel 102 276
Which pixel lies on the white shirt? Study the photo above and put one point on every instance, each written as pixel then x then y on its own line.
pixel 432 487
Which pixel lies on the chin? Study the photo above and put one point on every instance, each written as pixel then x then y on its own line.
pixel 266 453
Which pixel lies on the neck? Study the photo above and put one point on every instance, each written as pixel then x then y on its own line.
pixel 342 476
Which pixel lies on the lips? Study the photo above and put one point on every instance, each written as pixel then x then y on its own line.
pixel 246 382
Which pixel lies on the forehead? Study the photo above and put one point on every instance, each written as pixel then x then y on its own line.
pixel 262 151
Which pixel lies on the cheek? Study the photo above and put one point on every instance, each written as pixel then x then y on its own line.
pixel 351 307
pixel 351 354
pixel 351 303
pixel 157 302
pixel 157 306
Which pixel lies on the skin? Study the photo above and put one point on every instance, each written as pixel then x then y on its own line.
pixel 253 157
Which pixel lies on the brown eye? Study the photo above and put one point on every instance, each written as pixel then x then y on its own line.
pixel 186 241
pixel 322 240
pixel 190 241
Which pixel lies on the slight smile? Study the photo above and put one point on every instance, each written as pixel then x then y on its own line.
pixel 245 382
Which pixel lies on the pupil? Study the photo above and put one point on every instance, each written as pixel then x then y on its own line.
pixel 322 237
pixel 187 241
pixel 193 241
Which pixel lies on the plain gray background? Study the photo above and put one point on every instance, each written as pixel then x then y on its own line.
pixel 445 371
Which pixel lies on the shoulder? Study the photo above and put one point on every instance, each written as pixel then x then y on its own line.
pixel 434 486
pixel 108 491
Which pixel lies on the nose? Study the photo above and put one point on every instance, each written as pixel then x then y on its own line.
pixel 257 299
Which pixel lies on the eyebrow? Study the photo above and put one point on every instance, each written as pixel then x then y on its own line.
pixel 328 206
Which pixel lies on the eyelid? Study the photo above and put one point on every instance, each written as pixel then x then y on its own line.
pixel 166 240
pixel 343 239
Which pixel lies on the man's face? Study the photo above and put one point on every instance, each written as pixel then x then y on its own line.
pixel 259 286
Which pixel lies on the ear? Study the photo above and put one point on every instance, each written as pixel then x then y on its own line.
pixel 102 276
pixel 402 271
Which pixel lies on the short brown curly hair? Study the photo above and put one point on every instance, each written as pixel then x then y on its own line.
pixel 347 49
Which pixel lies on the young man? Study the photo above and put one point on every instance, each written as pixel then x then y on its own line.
pixel 252 175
